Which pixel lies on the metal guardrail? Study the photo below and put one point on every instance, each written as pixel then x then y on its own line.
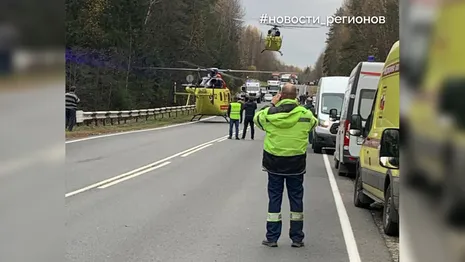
pixel 117 117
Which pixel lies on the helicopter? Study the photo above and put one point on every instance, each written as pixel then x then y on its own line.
pixel 274 40
pixel 212 95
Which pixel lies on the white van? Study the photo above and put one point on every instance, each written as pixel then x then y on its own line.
pixel 330 95
pixel 358 100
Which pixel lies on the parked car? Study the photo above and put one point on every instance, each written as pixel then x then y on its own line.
pixel 268 97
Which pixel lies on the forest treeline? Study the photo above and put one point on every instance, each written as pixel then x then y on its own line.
pixel 348 44
pixel 110 44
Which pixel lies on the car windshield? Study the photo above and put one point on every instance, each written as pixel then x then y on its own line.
pixel 330 101
pixel 253 88
pixel 366 101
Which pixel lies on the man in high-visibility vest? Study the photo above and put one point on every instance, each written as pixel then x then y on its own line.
pixel 287 125
pixel 235 116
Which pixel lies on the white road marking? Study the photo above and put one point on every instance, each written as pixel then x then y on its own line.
pixel 133 175
pixel 139 169
pixel 347 230
pixel 195 150
pixel 221 140
pixel 136 131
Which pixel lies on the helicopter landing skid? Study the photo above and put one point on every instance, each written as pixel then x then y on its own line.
pixel 276 51
pixel 195 116
pixel 198 117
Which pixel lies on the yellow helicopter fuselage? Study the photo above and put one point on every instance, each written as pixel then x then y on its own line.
pixel 273 43
pixel 210 101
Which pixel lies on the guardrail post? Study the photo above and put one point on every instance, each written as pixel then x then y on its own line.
pixel 104 120
pixel 94 117
pixel 162 112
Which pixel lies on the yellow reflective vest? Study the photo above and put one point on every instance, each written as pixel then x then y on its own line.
pixel 235 113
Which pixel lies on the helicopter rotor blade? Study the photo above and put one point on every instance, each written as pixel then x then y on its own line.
pixel 173 68
pixel 258 72
pixel 240 20
pixel 224 71
pixel 192 64
pixel 204 69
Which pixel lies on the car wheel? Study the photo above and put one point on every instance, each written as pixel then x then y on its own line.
pixel 360 199
pixel 336 162
pixel 341 170
pixel 390 215
pixel 317 149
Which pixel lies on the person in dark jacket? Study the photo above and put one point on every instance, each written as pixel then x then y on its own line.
pixel 248 112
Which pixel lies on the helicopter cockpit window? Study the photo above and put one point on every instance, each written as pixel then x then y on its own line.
pixel 217 83
pixel 204 81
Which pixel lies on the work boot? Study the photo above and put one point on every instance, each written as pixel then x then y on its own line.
pixel 237 138
pixel 229 137
pixel 297 244
pixel 269 243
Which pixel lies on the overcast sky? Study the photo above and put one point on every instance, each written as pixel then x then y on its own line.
pixel 301 47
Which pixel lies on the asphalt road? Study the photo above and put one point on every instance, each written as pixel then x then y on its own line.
pixel 31 178
pixel 207 204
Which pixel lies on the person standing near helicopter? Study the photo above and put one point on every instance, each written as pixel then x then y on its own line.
pixel 235 116
pixel 249 111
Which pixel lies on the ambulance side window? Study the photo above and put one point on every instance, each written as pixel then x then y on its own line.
pixel 369 122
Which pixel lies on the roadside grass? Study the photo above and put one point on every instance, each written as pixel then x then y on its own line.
pixel 131 125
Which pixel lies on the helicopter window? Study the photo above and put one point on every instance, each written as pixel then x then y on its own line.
pixel 216 83
pixel 204 81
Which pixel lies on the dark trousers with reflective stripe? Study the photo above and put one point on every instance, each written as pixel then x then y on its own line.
pixel 295 191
